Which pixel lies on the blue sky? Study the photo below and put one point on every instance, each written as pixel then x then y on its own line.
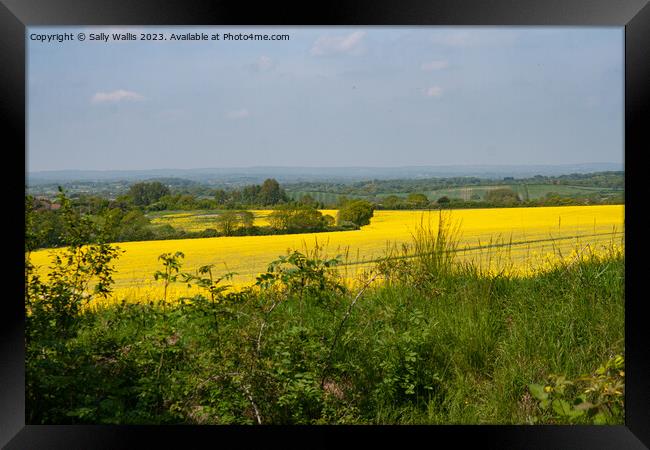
pixel 330 96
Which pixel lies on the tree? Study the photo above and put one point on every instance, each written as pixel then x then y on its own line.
pixel 250 194
pixel 235 199
pixel 280 218
pixel 89 204
pixel 186 201
pixel 502 196
pixel 143 194
pixel 131 226
pixel 391 202
pixel 443 201
pixel 230 221
pixel 246 219
pixel 307 218
pixel 296 217
pixel 328 220
pixel 342 200
pixel 308 200
pixel 48 228
pixel 220 196
pixel 417 200
pixel 270 193
pixel 358 212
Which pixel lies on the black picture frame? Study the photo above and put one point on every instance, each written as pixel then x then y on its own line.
pixel 634 15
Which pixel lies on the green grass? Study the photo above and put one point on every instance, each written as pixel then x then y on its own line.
pixel 537 191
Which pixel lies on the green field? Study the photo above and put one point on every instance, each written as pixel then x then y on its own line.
pixel 525 191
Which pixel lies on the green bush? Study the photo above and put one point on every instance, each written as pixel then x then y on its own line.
pixel 595 398
pixel 358 212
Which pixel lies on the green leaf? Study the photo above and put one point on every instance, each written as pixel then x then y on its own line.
pixel 561 407
pixel 618 361
pixel 537 391
pixel 575 413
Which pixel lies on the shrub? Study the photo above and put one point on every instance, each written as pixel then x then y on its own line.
pixel 358 212
pixel 297 218
pixel 596 398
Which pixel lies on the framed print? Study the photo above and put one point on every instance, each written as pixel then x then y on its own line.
pixel 357 218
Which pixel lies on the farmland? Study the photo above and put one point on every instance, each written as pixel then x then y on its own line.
pixel 467 193
pixel 199 220
pixel 519 240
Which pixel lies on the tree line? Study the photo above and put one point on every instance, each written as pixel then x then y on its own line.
pixel 495 198
pixel 125 219
pixel 609 180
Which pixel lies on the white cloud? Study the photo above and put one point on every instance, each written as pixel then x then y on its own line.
pixel 350 44
pixel 116 96
pixel 238 114
pixel 433 91
pixel 434 65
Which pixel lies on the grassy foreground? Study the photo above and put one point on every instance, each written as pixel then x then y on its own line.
pixel 422 341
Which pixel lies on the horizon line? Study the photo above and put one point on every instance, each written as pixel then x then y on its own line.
pixel 330 167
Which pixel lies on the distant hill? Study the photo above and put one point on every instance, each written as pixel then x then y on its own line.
pixel 246 175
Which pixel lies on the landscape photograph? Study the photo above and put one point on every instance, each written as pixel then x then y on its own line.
pixel 325 225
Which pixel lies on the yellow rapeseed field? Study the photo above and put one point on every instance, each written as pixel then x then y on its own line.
pixel 200 220
pixel 518 240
